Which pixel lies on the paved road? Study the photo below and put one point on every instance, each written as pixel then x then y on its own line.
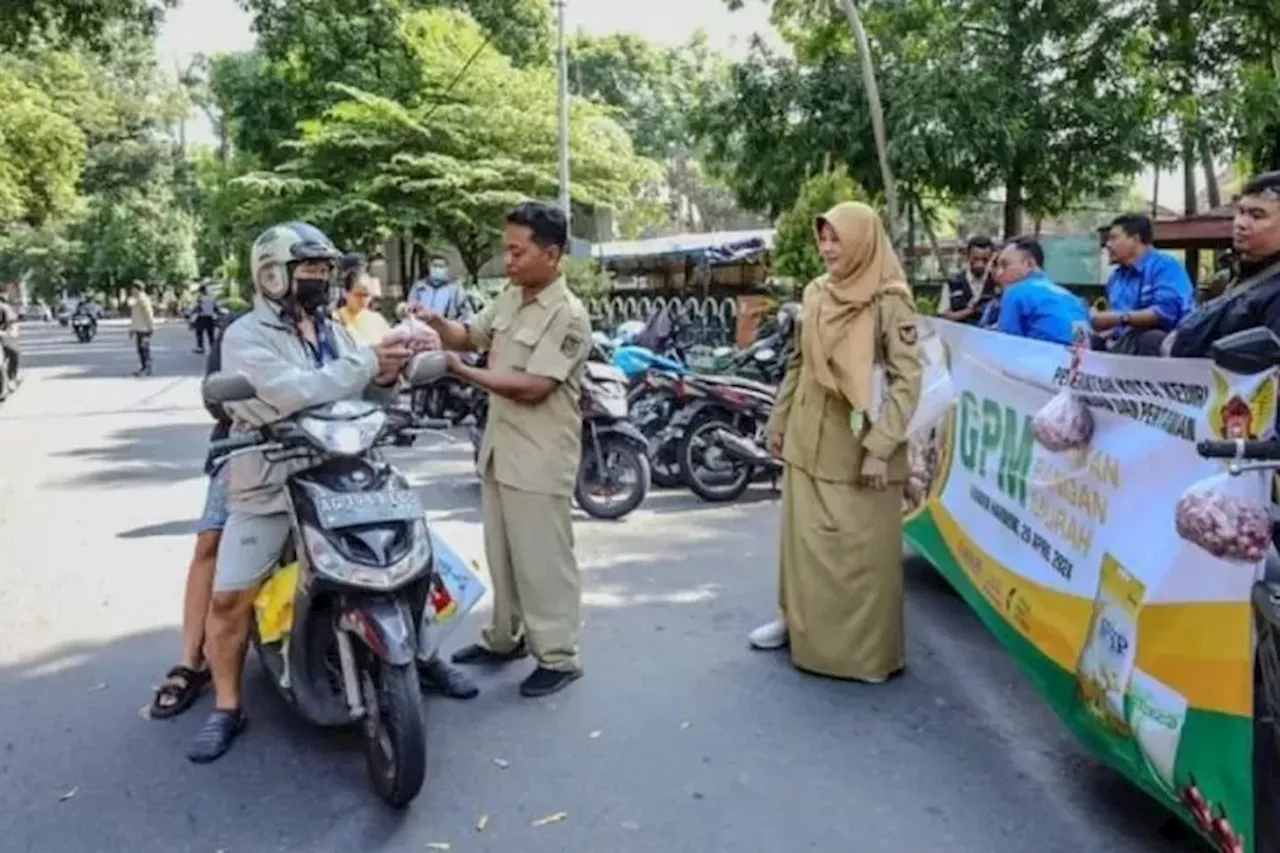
pixel 678 739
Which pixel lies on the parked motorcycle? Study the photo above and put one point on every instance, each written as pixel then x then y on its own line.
pixel 448 398
pixel 365 571
pixel 85 326
pixel 659 398
pixel 722 437
pixel 613 475
pixel 1256 351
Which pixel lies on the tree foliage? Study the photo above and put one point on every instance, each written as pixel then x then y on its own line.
pixel 795 254
pixel 979 95
pixel 372 166
pixel 86 132
pixel 86 22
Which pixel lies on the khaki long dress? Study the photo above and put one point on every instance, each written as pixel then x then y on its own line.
pixel 840 573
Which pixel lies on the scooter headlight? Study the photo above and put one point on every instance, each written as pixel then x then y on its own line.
pixel 349 437
pixel 329 562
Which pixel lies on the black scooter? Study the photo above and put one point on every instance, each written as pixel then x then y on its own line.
pixel 367 585
pixel 1255 351
pixel 85 326
pixel 613 474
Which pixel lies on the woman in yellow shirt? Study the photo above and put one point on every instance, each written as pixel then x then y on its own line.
pixel 365 324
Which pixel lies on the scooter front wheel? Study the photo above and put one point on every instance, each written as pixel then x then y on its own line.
pixel 395 733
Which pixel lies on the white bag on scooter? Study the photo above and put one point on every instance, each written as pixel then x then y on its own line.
pixel 458 592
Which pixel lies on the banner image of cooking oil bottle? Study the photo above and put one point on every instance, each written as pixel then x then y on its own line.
pixel 1106 661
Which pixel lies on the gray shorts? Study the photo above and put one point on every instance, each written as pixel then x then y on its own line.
pixel 250 549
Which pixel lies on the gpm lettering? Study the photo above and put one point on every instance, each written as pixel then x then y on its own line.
pixel 988 428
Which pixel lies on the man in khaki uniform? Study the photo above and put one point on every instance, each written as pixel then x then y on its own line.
pixel 538 335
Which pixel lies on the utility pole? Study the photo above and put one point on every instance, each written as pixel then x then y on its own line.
pixel 564 114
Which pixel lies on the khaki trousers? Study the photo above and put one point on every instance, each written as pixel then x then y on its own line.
pixel 537 591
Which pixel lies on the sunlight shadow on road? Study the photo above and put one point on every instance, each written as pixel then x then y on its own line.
pixel 164 528
pixel 158 454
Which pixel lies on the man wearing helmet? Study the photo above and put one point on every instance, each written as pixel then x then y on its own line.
pixel 296 358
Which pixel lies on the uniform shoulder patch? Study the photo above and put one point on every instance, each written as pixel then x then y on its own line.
pixel 571 345
pixel 908 334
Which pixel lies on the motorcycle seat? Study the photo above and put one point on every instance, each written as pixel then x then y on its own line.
pixel 741 382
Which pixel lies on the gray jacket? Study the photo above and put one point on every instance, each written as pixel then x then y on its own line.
pixel 268 350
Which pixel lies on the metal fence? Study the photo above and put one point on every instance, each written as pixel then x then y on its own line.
pixel 711 320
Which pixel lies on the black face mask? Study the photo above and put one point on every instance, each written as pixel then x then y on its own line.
pixel 311 293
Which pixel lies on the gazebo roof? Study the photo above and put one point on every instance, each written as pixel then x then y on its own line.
pixel 1208 230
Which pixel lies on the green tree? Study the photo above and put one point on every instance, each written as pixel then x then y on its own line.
pixel 653 92
pixel 86 22
pixel 137 234
pixel 41 155
pixel 371 167
pixel 795 254
pixel 1048 103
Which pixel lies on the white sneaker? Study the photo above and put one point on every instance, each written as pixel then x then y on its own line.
pixel 769 637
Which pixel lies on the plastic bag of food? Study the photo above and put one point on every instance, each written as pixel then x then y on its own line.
pixel 1220 516
pixel 415 334
pixel 1111 646
pixel 1064 423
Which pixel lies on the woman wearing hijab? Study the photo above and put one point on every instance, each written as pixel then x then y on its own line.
pixel 845 457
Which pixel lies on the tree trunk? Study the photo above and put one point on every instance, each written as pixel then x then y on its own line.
pixel 1189 175
pixel 872 92
pixel 1211 188
pixel 1013 203
pixel 926 223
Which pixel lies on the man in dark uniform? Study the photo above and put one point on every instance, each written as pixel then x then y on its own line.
pixel 967 292
pixel 1253 299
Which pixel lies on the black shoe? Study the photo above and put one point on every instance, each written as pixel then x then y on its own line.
pixel 217 735
pixel 436 676
pixel 544 682
pixel 478 654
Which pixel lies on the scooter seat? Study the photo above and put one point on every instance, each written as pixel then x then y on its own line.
pixel 741 382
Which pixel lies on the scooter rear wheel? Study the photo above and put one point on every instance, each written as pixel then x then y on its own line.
pixel 726 478
pixel 395 734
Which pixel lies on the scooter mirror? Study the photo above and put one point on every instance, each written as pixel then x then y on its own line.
pixel 1251 351
pixel 227 388
pixel 765 354
pixel 426 367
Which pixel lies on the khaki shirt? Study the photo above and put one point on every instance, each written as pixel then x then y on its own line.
pixel 535 448
pixel 142 317
pixel 814 422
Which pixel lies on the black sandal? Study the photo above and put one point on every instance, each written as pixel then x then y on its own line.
pixel 217 735
pixel 182 687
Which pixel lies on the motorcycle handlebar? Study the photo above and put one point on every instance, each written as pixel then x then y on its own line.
pixel 1240 448
pixel 235 442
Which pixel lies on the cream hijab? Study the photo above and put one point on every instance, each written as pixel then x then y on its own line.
pixel 838 326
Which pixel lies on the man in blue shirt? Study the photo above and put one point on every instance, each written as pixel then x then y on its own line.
pixel 1031 305
pixel 440 294
pixel 1148 293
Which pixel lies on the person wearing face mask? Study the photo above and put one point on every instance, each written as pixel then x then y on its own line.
pixel 296 357
pixel 439 294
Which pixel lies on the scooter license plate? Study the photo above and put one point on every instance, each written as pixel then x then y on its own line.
pixel 352 510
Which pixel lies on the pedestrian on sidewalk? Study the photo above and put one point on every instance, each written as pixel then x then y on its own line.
pixel 206 319
pixel 142 324
pixel 845 457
